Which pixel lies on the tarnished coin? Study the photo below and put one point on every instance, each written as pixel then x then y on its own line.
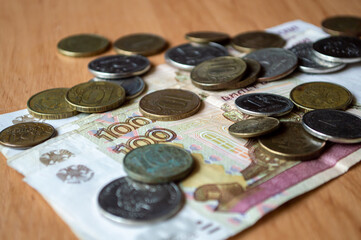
pixel 251 41
pixel 126 201
pixel 320 95
pixel 253 127
pixel 187 56
pixel 50 104
pixel 140 43
pixel 264 104
pixel 25 135
pixel 169 104
pixel 276 63
pixel 339 49
pixel 207 36
pixel 92 97
pixel 119 66
pixel 333 125
pixel 158 163
pixel 83 45
pixel 308 62
pixel 342 25
pixel 217 73
pixel 252 71
pixel 292 142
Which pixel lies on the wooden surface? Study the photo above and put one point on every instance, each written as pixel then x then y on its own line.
pixel 29 32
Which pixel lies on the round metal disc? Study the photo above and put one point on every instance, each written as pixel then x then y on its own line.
pixel 342 25
pixel 252 71
pixel 207 36
pixel 253 127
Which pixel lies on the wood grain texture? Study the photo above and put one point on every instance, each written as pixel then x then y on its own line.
pixel 29 32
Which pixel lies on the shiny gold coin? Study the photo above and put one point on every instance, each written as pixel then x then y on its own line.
pixel 140 43
pixel 292 142
pixel 169 104
pixel 207 36
pixel 250 77
pixel 83 45
pixel 92 97
pixel 50 104
pixel 251 41
pixel 253 127
pixel 320 95
pixel 25 135
pixel 342 25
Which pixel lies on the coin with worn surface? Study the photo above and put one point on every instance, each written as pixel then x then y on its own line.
pixel 92 97
pixel 320 95
pixel 252 71
pixel 187 56
pixel 25 135
pixel 126 201
pixel 342 25
pixel 292 142
pixel 83 45
pixel 339 49
pixel 264 104
pixel 207 36
pixel 253 127
pixel 333 125
pixel 140 43
pixel 276 63
pixel 119 66
pixel 169 104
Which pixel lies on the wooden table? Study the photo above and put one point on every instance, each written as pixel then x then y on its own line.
pixel 29 32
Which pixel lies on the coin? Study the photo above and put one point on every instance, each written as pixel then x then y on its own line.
pixel 251 41
pixel 253 127
pixel 126 201
pixel 169 104
pixel 94 97
pixel 339 49
pixel 207 36
pixel 217 73
pixel 320 95
pixel 264 104
pixel 276 63
pixel 342 25
pixel 25 135
pixel 83 45
pixel 187 56
pixel 252 71
pixel 50 104
pixel 292 142
pixel 333 125
pixel 119 66
pixel 140 43
pixel 158 163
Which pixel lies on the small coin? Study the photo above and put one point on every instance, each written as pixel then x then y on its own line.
pixel 119 66
pixel 339 49
pixel 169 104
pixel 342 25
pixel 83 45
pixel 276 63
pixel 187 56
pixel 158 163
pixel 140 43
pixel 92 97
pixel 253 127
pixel 25 135
pixel 292 142
pixel 333 125
pixel 126 201
pixel 251 41
pixel 252 71
pixel 264 104
pixel 207 37
pixel 320 95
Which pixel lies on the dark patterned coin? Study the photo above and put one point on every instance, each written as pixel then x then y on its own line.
pixel 207 36
pixel 252 71
pixel 126 201
pixel 342 25
pixel 253 127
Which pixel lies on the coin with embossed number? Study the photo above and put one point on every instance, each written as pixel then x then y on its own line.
pixel 253 127
pixel 126 201
pixel 252 71
pixel 207 36
pixel 342 25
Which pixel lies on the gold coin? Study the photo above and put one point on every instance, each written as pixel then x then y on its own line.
pixel 320 95
pixel 24 135
pixel 252 72
pixel 140 43
pixel 50 104
pixel 92 97
pixel 83 45
pixel 292 142
pixel 207 36
pixel 169 104
pixel 342 25
pixel 253 127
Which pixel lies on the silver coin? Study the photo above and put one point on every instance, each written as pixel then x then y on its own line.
pixel 119 66
pixel 308 62
pixel 264 104
pixel 339 49
pixel 276 63
pixel 333 125
pixel 126 201
pixel 187 56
